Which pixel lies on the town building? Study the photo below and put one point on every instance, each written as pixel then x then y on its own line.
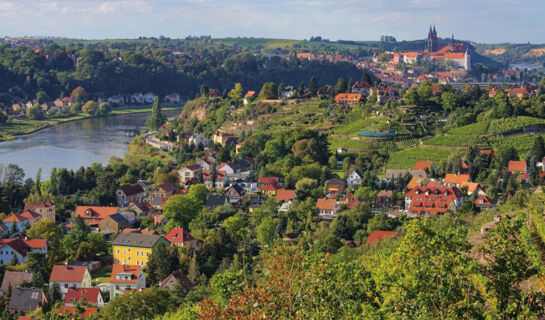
pixel 92 215
pixel 70 277
pixel 89 295
pixel 26 300
pixel 13 279
pixel 130 193
pixel 433 200
pixel 126 277
pixel 181 238
pixel 45 208
pixel 134 248
pixel 19 248
pixel 327 208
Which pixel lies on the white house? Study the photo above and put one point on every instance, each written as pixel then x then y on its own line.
pixel 354 178
pixel 117 99
pixel 190 172
pixel 138 98
pixel 125 278
pixel 70 277
pixel 197 139
pixel 172 98
pixel 20 248
pixel 149 97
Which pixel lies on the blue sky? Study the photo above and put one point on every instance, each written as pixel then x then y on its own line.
pixel 488 21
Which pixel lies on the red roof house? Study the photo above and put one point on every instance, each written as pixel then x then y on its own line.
pixel 379 236
pixel 91 295
pixel 180 237
pixel 436 200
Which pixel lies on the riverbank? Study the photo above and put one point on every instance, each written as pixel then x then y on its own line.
pixel 14 128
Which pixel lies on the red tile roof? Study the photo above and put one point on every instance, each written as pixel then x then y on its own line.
pixel 134 270
pixel 432 200
pixel 422 165
pixel 516 166
pixel 70 310
pixel 268 180
pixel 64 273
pixel 14 218
pixel 285 195
pixel 91 212
pixel 456 178
pixel 270 187
pixel 379 235
pixel 90 294
pixel 29 215
pixel 44 204
pixel 484 200
pixel 326 204
pixel 178 235
pixel 348 97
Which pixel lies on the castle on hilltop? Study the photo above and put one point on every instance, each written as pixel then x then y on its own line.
pixel 454 54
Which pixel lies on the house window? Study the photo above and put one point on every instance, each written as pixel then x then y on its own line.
pixel 117 251
pixel 66 285
pixel 116 287
pixel 137 253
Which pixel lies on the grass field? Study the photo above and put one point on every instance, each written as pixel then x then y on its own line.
pixel 406 159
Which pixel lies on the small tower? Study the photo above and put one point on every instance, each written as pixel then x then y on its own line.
pixel 432 40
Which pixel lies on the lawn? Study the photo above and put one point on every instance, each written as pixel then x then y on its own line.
pixel 406 159
pixel 102 274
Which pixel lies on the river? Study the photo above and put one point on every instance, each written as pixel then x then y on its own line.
pixel 74 144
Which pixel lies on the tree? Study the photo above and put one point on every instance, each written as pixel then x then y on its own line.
pixel 104 109
pixel 75 237
pixel 341 86
pixel 411 96
pixel 45 229
pixel 90 107
pixel 139 305
pixel 268 91
pixel 236 92
pixel 35 112
pixel 37 264
pixel 41 97
pixel 313 86
pixel 3 117
pixel 450 100
pixel 266 231
pixel 181 210
pixel 78 95
pixel 193 273
pixel 424 92
pixel 198 192
pixel 157 118
pixel 162 261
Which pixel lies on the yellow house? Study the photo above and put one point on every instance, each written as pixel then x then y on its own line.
pixel 135 248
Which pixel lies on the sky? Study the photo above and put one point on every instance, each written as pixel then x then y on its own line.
pixel 485 21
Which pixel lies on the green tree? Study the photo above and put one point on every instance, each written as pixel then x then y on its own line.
pixel 157 118
pixel 341 86
pixel 139 305
pixel 162 261
pixel 45 229
pixel 35 112
pixel 450 101
pixel 266 231
pixel 181 210
pixel 236 92
pixel 75 237
pixel 313 86
pixel 104 109
pixel 90 107
pixel 411 96
pixel 268 91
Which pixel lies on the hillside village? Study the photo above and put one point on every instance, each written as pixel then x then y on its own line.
pixel 260 203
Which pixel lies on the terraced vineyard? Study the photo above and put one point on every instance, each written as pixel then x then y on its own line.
pixel 496 126
pixel 405 159
pixel 457 141
pixel 521 143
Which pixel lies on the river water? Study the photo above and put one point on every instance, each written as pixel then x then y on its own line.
pixel 74 144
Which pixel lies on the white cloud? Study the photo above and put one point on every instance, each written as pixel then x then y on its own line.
pixel 133 6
